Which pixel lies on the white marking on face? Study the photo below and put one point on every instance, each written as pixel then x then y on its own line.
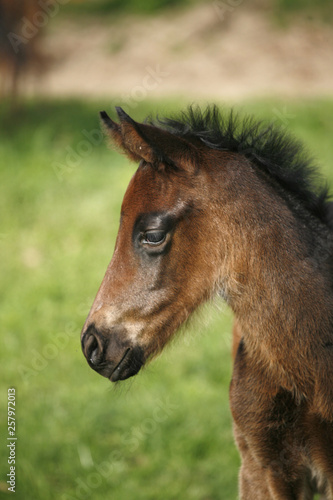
pixel 134 329
pixel 113 315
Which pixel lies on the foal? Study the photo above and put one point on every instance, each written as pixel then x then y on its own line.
pixel 229 207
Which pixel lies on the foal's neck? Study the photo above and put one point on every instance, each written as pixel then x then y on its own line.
pixel 280 288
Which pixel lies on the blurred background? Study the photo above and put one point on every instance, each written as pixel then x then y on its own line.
pixel 167 433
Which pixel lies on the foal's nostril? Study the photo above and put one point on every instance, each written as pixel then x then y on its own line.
pixel 92 349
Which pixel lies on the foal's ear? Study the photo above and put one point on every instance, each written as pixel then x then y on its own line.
pixel 146 142
pixel 114 131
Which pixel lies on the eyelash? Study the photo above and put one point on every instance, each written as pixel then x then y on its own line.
pixel 157 237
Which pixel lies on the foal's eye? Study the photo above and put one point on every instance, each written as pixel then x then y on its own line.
pixel 154 237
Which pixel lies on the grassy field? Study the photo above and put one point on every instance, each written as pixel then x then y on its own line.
pixel 165 434
pixel 281 8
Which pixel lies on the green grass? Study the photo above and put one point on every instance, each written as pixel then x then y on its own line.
pixel 283 9
pixel 166 434
pixel 288 10
pixel 120 7
pixel 282 13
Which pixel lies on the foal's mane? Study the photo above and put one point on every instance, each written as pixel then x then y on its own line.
pixel 268 146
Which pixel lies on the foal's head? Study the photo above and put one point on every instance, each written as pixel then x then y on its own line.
pixel 162 267
pixel 215 205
